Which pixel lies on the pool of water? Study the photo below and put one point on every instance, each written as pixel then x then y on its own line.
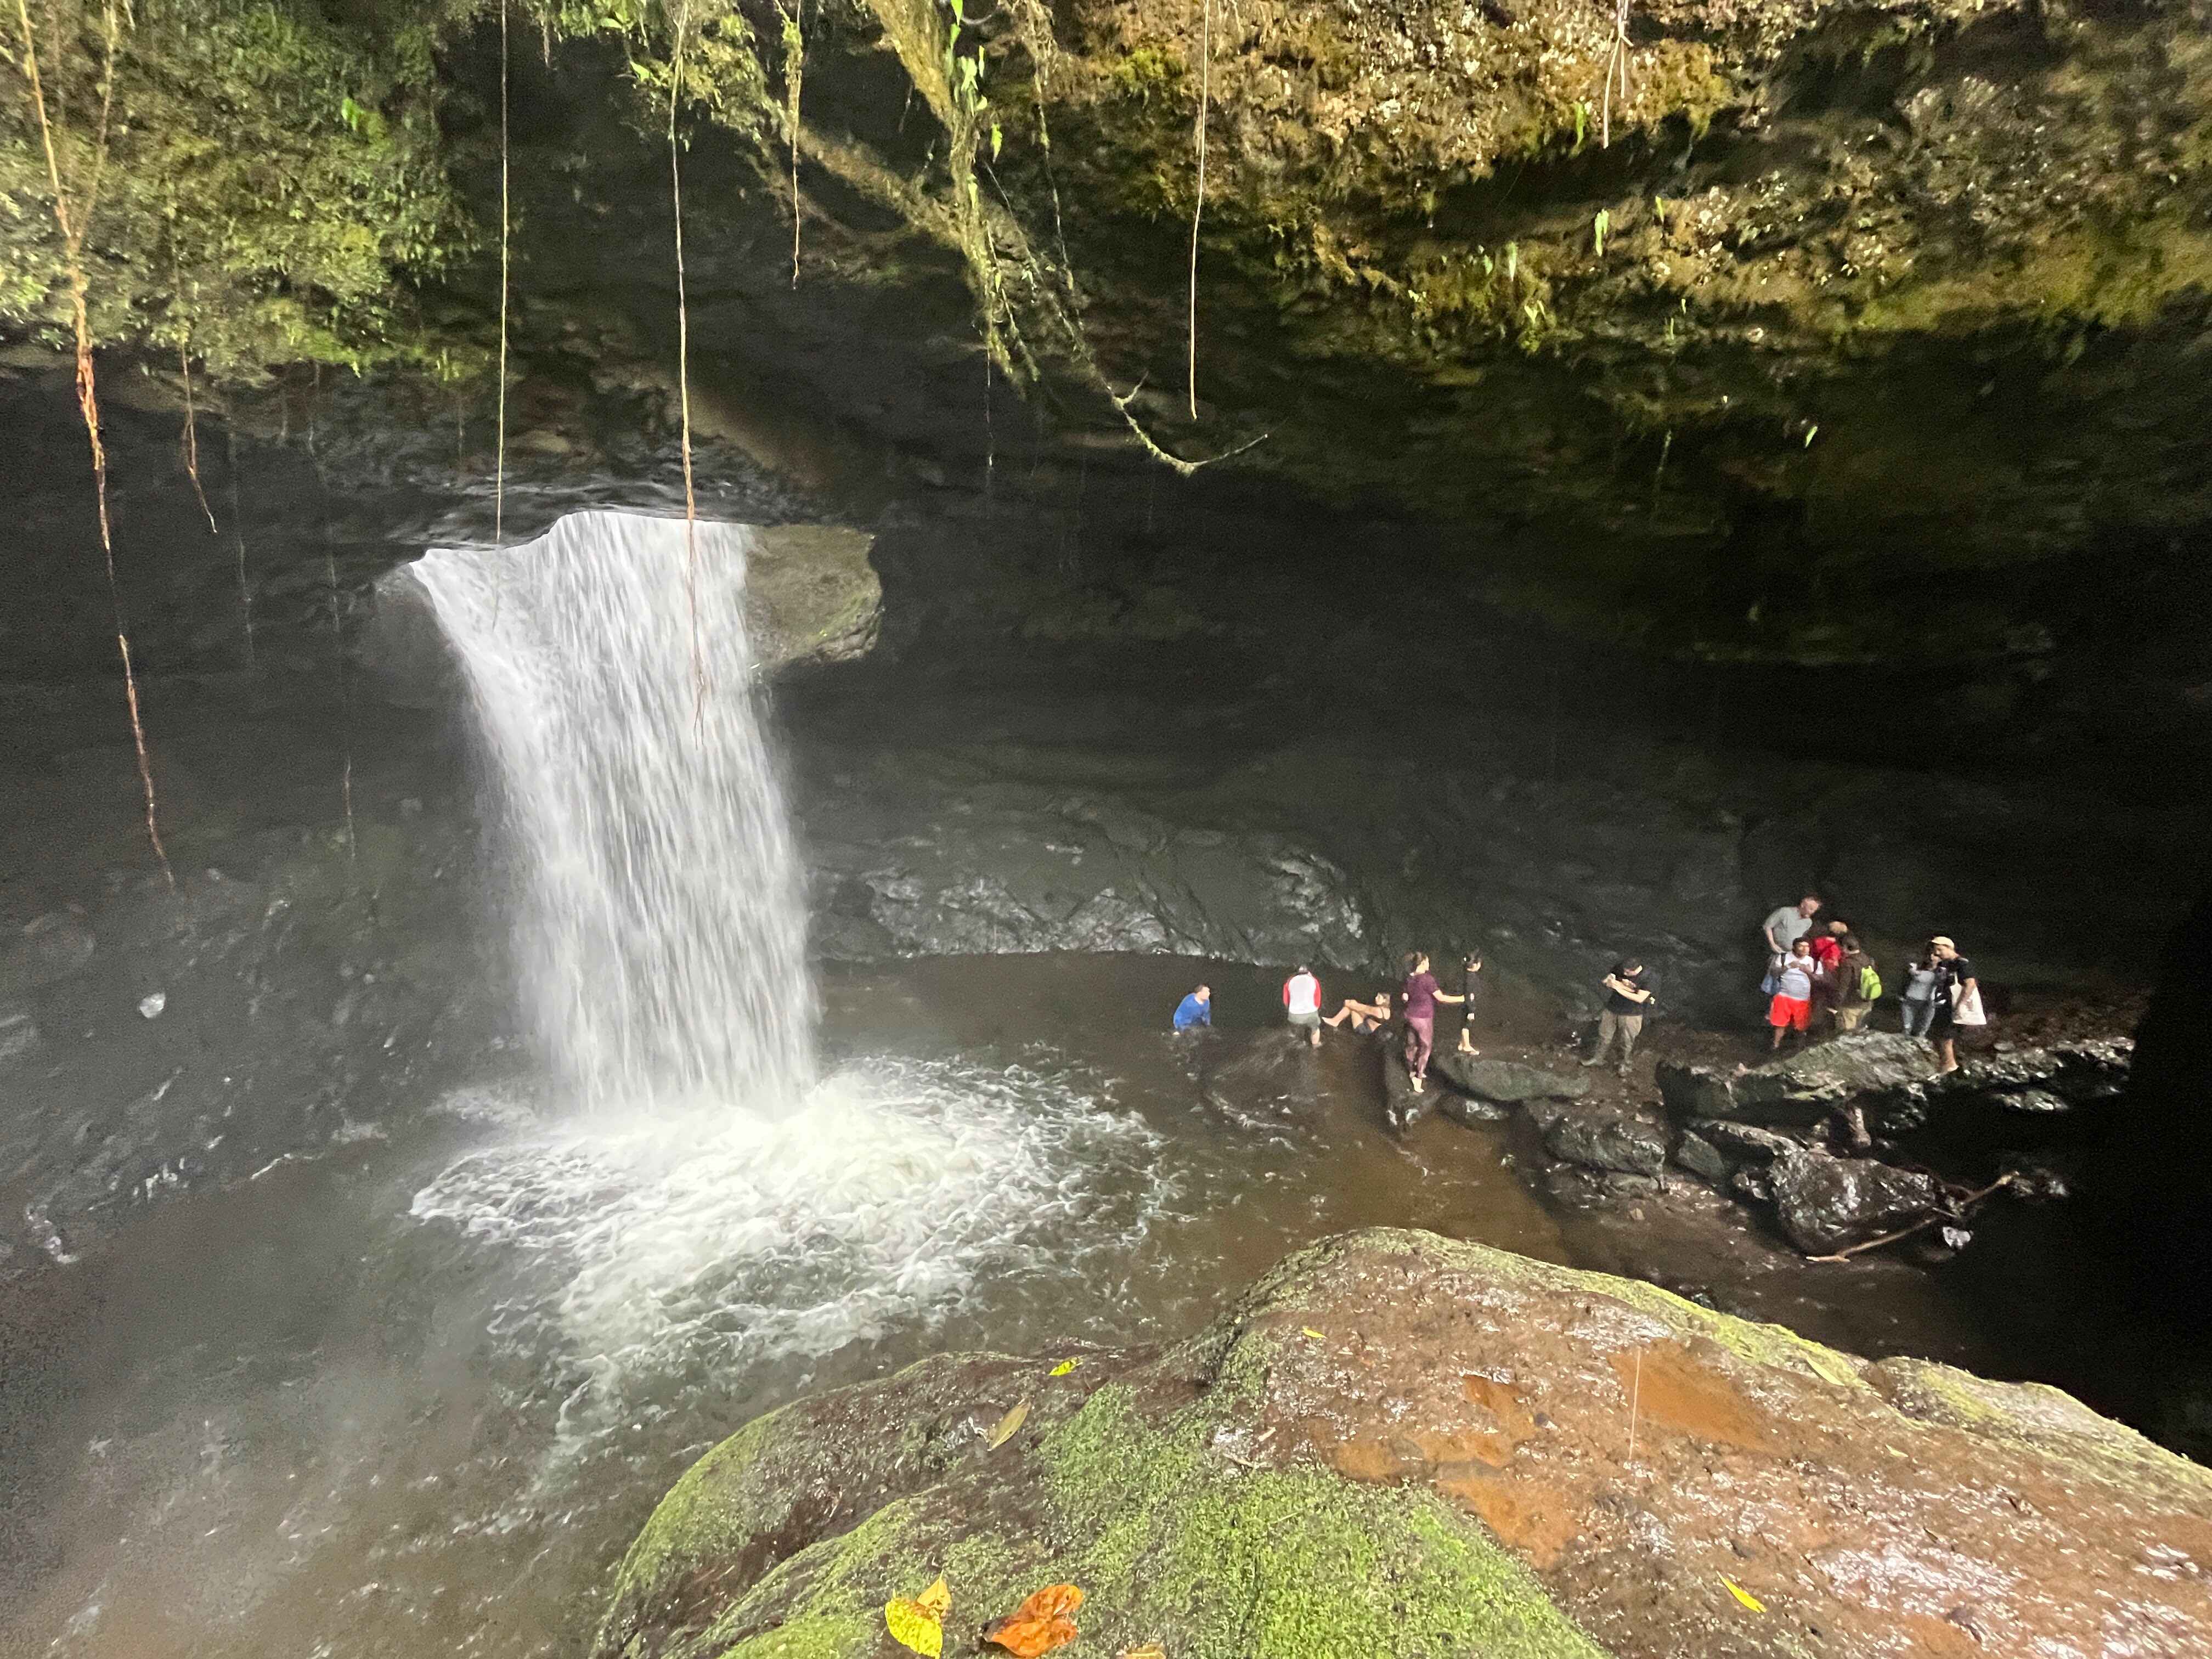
pixel 416 1396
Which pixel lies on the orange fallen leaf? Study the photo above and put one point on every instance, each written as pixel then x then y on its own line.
pixel 1039 1625
pixel 1743 1594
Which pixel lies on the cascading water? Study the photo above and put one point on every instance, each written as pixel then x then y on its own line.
pixel 722 1207
pixel 662 938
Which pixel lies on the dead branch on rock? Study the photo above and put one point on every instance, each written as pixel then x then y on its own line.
pixel 1956 1213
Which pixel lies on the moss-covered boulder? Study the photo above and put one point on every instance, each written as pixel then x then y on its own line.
pixel 1395 1444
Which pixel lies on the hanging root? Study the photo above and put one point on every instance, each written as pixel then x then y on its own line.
pixel 337 629
pixel 238 533
pixel 192 440
pixel 499 474
pixel 794 71
pixel 73 225
pixel 1616 68
pixel 1198 201
pixel 1176 462
pixel 684 372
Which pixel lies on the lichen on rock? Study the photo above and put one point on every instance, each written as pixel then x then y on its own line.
pixel 1396 1445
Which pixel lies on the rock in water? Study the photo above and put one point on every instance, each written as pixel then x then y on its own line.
pixel 1507 1082
pixel 1827 1203
pixel 1607 1140
pixel 1401 1107
pixel 1801 1088
pixel 1395 1445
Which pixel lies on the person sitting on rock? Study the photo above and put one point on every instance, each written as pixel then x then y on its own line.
pixel 1418 997
pixel 1364 1015
pixel 1847 986
pixel 1302 1002
pixel 1470 990
pixel 1628 998
pixel 1791 1006
pixel 1196 1010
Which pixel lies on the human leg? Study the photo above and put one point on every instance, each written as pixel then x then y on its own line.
pixel 1420 1040
pixel 1630 1027
pixel 1608 1024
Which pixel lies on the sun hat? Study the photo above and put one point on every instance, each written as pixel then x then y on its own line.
pixel 1945 939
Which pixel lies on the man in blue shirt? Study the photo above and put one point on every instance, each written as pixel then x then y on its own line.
pixel 1195 1010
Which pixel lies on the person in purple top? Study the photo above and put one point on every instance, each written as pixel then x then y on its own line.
pixel 1418 1001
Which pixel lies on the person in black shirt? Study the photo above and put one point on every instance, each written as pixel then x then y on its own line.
pixel 1954 984
pixel 1628 999
pixel 1467 1017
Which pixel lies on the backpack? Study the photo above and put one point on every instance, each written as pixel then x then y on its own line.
pixel 1869 984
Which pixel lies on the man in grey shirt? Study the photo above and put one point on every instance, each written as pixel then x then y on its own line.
pixel 1789 924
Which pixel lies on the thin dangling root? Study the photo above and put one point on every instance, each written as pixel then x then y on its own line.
pixel 238 533
pixel 499 475
pixel 337 632
pixel 73 228
pixel 192 437
pixel 794 70
pixel 684 373
pixel 1198 202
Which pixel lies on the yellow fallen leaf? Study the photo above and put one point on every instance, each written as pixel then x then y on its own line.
pixel 1064 1367
pixel 917 1622
pixel 1743 1594
pixel 1007 1426
pixel 1150 1650
pixel 1314 1333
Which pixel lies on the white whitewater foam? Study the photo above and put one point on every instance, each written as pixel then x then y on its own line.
pixel 665 1248
pixel 660 930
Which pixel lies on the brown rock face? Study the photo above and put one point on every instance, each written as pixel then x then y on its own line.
pixel 1677 1482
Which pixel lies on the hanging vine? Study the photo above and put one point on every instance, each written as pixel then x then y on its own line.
pixel 794 72
pixel 499 475
pixel 73 219
pixel 1198 196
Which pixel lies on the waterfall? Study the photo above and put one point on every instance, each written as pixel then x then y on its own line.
pixel 660 927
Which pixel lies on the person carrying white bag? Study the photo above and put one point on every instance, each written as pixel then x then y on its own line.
pixel 1957 1000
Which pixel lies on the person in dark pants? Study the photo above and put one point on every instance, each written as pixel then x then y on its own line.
pixel 1957 1000
pixel 1628 999
pixel 1418 999
pixel 1472 992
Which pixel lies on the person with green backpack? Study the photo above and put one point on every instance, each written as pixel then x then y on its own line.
pixel 1855 985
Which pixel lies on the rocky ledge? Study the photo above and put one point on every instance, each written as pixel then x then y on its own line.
pixel 1395 1444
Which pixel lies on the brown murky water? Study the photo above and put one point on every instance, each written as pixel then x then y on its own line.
pixel 415 1397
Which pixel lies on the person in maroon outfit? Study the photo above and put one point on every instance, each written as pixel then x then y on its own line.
pixel 1418 1002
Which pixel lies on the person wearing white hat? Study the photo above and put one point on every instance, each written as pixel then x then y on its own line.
pixel 1957 1000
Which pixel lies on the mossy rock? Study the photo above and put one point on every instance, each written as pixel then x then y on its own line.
pixel 1396 1445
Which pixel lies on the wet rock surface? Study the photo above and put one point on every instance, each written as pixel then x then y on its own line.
pixel 1508 1082
pixel 1826 1204
pixel 1395 1444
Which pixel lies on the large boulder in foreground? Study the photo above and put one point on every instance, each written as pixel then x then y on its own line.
pixel 1395 1444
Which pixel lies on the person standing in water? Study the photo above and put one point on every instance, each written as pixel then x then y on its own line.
pixel 1418 999
pixel 1195 1012
pixel 1302 1002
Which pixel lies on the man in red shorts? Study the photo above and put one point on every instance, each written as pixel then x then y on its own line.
pixel 1791 1006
